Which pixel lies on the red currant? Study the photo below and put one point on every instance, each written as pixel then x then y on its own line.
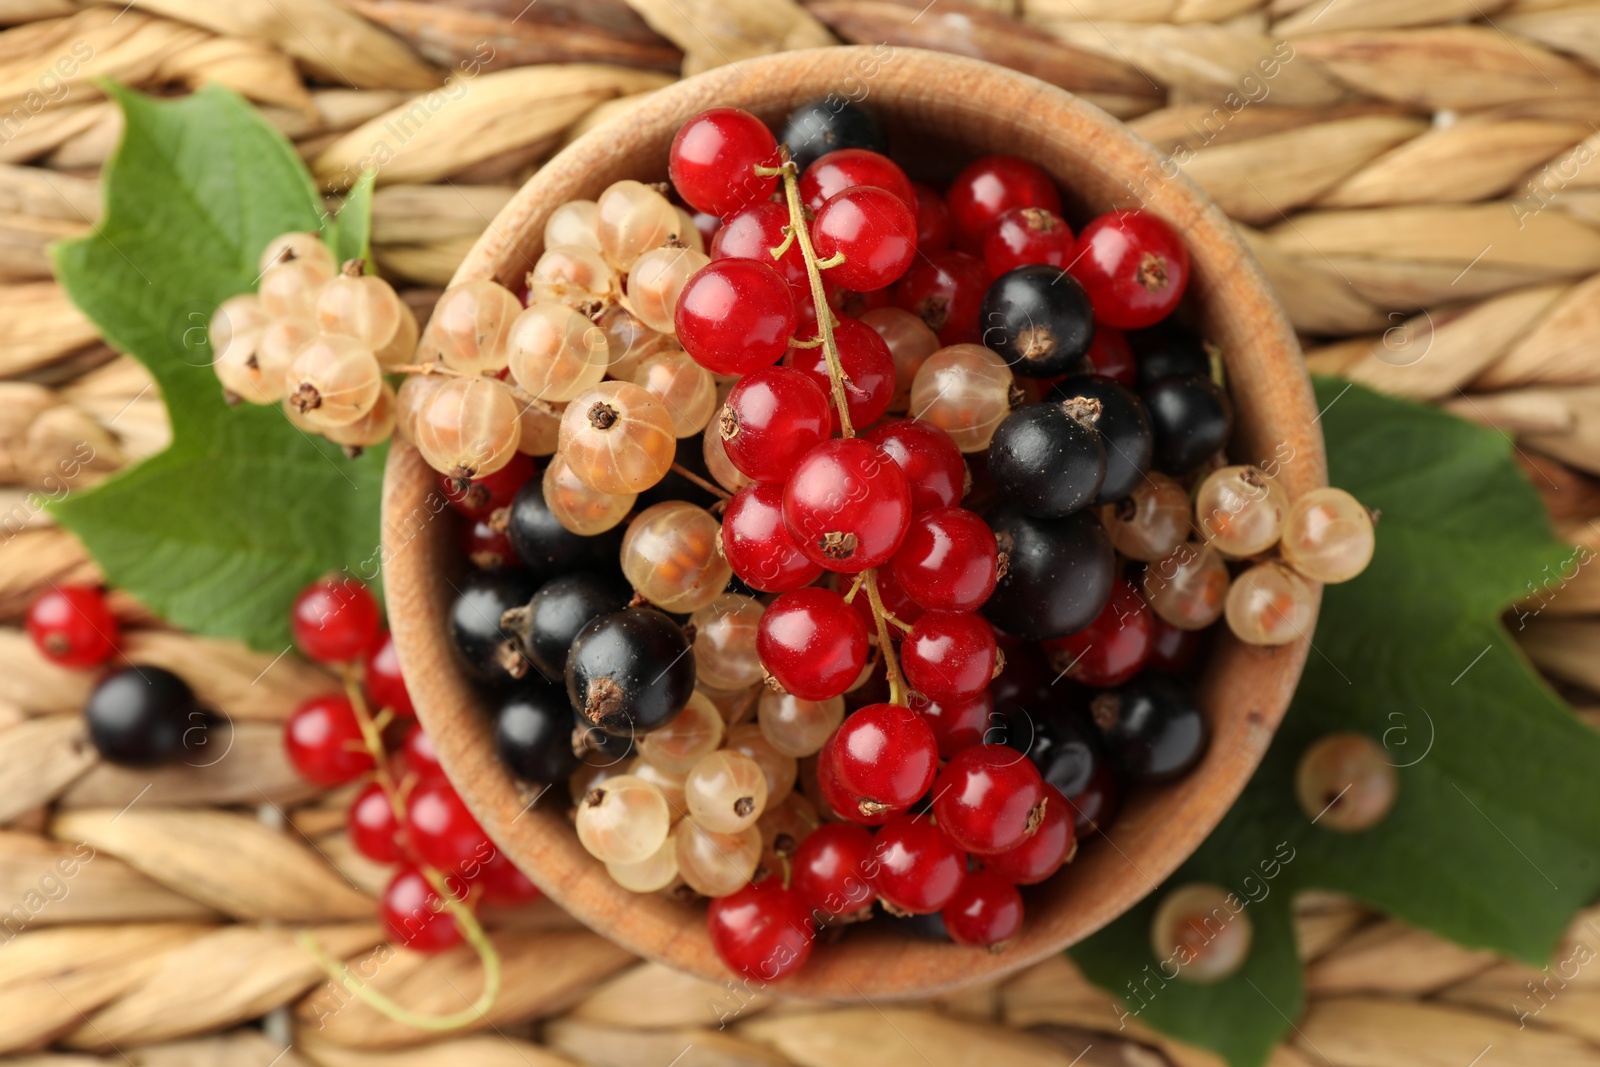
pixel 933 220
pixel 72 625
pixel 840 170
pixel 1110 356
pixel 949 655
pixel 324 741
pixel 421 758
pixel 1113 647
pixel 874 230
pixel 1172 649
pixel 837 797
pixel 929 458
pixel 763 931
pixel 918 869
pixel 1045 850
pixel 985 912
pixel 989 799
pixel 335 620
pixel 956 724
pixel 757 544
pixel 989 187
pixel 415 914
pixel 1096 806
pixel 753 233
pixel 1134 268
pixel 487 546
pixel 441 830
pixel 830 868
pixel 949 560
pixel 847 505
pixel 945 291
pixel 714 157
pixel 1024 236
pixel 868 368
pixel 385 687
pixel 502 884
pixel 772 418
pixel 374 830
pixel 812 643
pixel 885 757
pixel 479 498
pixel 735 316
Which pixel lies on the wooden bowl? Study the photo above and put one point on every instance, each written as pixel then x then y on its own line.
pixel 951 109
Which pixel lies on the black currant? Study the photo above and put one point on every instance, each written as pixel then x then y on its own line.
pixel 1039 319
pixel 1192 420
pixel 548 623
pixel 1123 427
pixel 926 927
pixel 138 716
pixel 1151 725
pixel 1048 459
pixel 630 672
pixel 1067 753
pixel 827 124
pixel 487 643
pixel 1057 574
pixel 549 549
pixel 1167 349
pixel 534 731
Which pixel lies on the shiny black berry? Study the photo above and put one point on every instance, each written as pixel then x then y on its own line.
pixel 1039 319
pixel 1152 726
pixel 1067 752
pixel 534 732
pixel 825 125
pixel 487 643
pixel 1167 349
pixel 630 672
pixel 1057 573
pixel 1048 459
pixel 1124 428
pixel 549 549
pixel 1192 420
pixel 548 623
pixel 138 716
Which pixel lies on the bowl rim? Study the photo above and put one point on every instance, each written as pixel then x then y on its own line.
pixel 1265 370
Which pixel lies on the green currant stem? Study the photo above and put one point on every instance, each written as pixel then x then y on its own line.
pixel 855 587
pixel 897 682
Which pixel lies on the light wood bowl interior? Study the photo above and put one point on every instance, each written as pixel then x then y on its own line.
pixel 941 111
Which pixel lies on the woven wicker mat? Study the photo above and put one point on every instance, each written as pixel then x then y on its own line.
pixel 1418 177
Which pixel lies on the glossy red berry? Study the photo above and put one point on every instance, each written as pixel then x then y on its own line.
pixel 988 799
pixel 919 869
pixel 933 220
pixel 374 830
pixel 847 167
pixel 949 655
pixel 713 159
pixel 1172 649
pixel 771 419
pixel 479 498
pixel 1045 850
pixel 985 912
pixel 335 620
pixel 735 316
pixel 441 830
pixel 948 561
pixel 419 754
pixel 500 883
pixel 988 188
pixel 868 368
pixel 945 290
pixel 873 229
pixel 1113 647
pixel 757 544
pixel 1095 806
pixel 1110 356
pixel 885 757
pixel 956 724
pixel 384 684
pixel 928 456
pixel 812 643
pixel 1134 268
pixel 415 914
pixel 487 546
pixel 73 626
pixel 324 742
pixel 753 233
pixel 763 931
pixel 1026 235
pixel 837 797
pixel 830 871
pixel 847 505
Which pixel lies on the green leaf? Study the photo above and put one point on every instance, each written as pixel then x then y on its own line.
pixel 218 532
pixel 349 233
pixel 1495 839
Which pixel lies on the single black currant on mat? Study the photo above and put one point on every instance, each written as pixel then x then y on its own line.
pixel 138 716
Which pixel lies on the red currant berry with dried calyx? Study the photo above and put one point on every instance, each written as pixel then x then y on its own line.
pixel 757 544
pixel 439 827
pixel 985 912
pixel 1022 236
pixel 869 374
pixel 989 799
pixel 72 625
pixel 948 561
pixel 845 168
pixel 949 656
pixel 481 497
pixel 324 742
pixel 929 458
pixel 873 229
pixel 988 188
pixel 1134 268
pixel 1113 647
pixel 885 757
pixel 713 160
pixel 736 316
pixel 335 620
pixel 415 913
pixel 374 829
pixel 918 869
pixel 772 418
pixel 836 798
pixel 1045 850
pixel 945 291
pixel 847 505
pixel 829 872
pixel 763 931
pixel 384 684
pixel 812 643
